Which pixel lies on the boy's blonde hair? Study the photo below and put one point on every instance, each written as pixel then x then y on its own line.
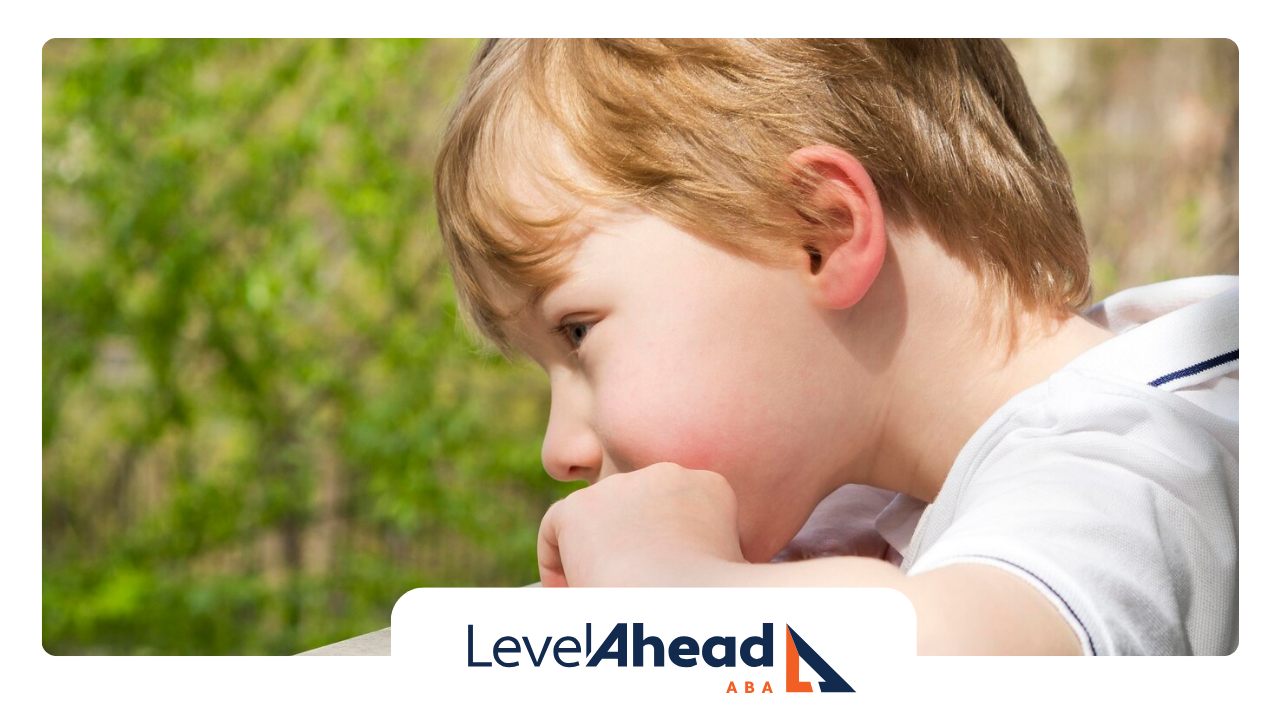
pixel 697 132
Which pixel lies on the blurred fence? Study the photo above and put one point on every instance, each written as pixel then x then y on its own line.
pixel 261 423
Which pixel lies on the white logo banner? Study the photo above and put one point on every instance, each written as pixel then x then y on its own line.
pixel 615 642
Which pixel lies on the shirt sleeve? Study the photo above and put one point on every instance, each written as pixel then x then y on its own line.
pixel 1125 521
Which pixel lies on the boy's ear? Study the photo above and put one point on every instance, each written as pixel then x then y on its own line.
pixel 844 262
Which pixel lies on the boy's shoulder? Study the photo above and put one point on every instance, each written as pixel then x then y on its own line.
pixel 1170 375
pixel 1158 401
pixel 1171 372
pixel 1115 481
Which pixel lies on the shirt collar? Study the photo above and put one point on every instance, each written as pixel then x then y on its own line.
pixel 1171 334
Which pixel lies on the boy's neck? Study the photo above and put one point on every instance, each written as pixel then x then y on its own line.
pixel 951 373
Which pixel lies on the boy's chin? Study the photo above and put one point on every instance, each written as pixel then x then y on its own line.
pixel 762 549
pixel 764 532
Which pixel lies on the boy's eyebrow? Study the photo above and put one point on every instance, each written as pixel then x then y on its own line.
pixel 538 295
pixel 531 304
pixel 521 341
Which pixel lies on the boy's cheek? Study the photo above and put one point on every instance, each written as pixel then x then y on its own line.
pixel 640 430
pixel 703 425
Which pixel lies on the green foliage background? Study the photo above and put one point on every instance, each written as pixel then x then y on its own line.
pixel 261 421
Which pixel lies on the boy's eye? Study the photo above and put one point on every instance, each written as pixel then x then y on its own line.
pixel 573 332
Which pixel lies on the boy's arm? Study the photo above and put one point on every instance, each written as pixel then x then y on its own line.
pixel 668 526
pixel 963 609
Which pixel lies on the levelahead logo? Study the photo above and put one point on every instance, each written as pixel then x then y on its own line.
pixel 492 644
pixel 684 651
pixel 797 648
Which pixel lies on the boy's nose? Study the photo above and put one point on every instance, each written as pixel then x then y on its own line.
pixel 570 450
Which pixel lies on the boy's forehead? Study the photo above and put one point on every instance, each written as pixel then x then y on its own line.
pixel 551 222
pixel 539 170
pixel 559 245
pixel 542 181
pixel 517 305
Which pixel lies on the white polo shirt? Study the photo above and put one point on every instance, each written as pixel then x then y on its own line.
pixel 1112 487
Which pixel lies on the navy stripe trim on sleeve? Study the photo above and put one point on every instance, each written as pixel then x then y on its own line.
pixel 1199 367
pixel 1047 586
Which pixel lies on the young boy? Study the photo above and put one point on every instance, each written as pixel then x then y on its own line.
pixel 758 271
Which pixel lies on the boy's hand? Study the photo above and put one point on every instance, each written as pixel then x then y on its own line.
pixel 668 526
pixel 659 526
pixel 844 523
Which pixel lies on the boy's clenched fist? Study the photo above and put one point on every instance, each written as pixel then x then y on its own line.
pixel 663 525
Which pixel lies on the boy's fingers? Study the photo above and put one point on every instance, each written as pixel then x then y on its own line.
pixel 550 567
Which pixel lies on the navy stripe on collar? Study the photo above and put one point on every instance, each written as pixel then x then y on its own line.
pixel 1199 367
